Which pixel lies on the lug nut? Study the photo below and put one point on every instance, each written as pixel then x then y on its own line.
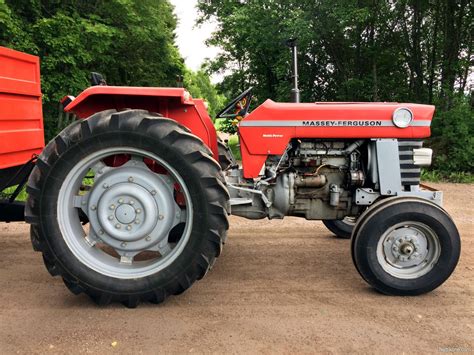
pixel 112 207
pixel 111 218
pixel 118 226
pixel 161 216
pixel 123 244
pixel 120 201
pixel 137 221
pixel 153 192
pixel 132 202
pixel 93 207
pixel 130 179
pixel 148 238
pixel 129 227
pixel 105 186
pixel 138 210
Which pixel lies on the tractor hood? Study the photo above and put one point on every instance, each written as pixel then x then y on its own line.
pixel 338 114
pixel 270 127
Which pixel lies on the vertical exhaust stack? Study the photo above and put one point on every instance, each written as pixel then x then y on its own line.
pixel 295 91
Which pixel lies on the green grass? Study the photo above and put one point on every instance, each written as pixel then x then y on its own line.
pixel 234 146
pixel 8 191
pixel 441 176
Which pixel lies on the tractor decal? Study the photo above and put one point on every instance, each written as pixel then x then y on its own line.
pixel 326 123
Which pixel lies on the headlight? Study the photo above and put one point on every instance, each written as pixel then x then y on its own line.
pixel 402 117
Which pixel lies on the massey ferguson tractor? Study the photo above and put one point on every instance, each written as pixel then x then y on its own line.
pixel 130 203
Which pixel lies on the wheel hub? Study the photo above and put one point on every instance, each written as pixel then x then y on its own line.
pixel 132 209
pixel 125 214
pixel 405 248
pixel 408 250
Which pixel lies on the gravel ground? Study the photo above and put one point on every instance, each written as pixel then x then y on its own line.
pixel 280 286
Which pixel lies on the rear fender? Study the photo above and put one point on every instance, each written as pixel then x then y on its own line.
pixel 174 103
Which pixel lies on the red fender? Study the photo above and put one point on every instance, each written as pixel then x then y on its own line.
pixel 174 103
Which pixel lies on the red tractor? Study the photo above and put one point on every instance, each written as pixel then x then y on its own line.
pixel 130 204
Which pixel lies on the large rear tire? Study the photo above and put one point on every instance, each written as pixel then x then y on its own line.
pixel 154 199
pixel 405 246
pixel 226 159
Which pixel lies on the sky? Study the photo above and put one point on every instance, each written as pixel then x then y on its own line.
pixel 191 38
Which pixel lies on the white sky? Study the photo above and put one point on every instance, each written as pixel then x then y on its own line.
pixel 190 38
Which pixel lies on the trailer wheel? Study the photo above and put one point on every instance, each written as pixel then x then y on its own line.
pixel 226 159
pixel 154 199
pixel 341 228
pixel 406 246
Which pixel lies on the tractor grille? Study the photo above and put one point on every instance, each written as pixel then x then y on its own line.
pixel 410 173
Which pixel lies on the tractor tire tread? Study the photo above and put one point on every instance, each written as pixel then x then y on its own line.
pixel 173 135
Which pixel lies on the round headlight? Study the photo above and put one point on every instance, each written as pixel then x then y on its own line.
pixel 402 117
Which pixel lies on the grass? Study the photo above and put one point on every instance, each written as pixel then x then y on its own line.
pixel 441 176
pixel 235 146
pixel 8 191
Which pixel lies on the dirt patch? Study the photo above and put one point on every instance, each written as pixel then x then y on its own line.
pixel 280 286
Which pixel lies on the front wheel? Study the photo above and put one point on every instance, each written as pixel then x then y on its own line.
pixel 341 228
pixel 128 207
pixel 406 246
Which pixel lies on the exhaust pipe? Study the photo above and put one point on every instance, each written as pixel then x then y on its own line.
pixel 295 91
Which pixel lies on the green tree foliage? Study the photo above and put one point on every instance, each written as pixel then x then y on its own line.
pixel 365 50
pixel 11 30
pixel 131 42
pixel 453 138
pixel 199 85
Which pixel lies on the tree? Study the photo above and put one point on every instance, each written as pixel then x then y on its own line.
pixel 131 42
pixel 200 86
pixel 364 50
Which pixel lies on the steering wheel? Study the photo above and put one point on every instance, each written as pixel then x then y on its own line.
pixel 238 106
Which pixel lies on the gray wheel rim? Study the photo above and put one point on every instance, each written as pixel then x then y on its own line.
pixel 350 221
pixel 408 250
pixel 131 210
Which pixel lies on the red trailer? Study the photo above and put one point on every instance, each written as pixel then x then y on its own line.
pixel 21 124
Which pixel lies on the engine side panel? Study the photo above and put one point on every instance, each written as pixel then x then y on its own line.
pixel 269 128
pixel 21 117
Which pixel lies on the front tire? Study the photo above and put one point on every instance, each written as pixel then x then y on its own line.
pixel 341 228
pixel 154 199
pixel 405 246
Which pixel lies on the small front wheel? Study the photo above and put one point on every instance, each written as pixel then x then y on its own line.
pixel 406 247
pixel 341 228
